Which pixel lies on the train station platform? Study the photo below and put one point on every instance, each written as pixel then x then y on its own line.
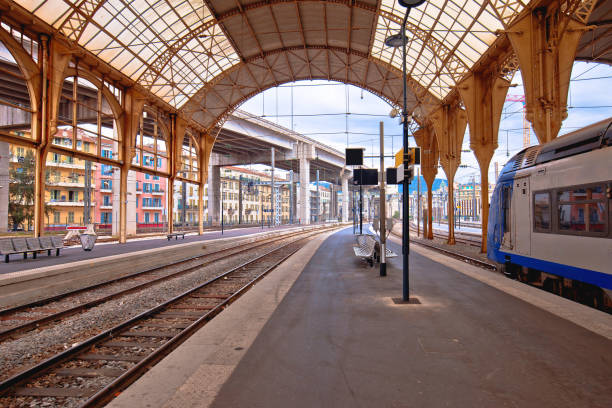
pixel 322 330
pixel 103 249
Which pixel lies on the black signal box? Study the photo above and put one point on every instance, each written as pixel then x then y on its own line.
pixel 354 157
pixel 365 177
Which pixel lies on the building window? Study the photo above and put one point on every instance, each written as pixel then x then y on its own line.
pixel 70 216
pixel 147 218
pixel 73 196
pixel 107 200
pixel 56 217
pixel 156 216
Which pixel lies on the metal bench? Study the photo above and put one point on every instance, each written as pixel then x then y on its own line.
pixel 6 249
pixel 58 243
pixel 11 246
pixel 366 248
pixel 34 246
pixel 176 235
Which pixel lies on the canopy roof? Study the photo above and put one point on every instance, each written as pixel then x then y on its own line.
pixel 208 56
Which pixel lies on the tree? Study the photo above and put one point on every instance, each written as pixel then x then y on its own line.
pixel 22 192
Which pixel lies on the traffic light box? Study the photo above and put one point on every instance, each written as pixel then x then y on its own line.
pixel 414 156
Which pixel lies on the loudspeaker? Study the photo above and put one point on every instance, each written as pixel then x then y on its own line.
pixel 354 157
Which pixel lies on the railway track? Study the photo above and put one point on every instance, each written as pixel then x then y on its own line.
pixel 92 372
pixel 42 312
pixel 469 240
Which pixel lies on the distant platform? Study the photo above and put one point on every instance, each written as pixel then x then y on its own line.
pixel 103 249
pixel 322 330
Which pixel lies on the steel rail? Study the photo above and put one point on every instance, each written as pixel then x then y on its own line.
pixel 84 306
pixel 457 255
pixel 135 371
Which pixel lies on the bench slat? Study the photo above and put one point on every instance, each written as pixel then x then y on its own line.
pixel 6 247
pixel 46 243
pixel 58 242
pixel 33 244
pixel 20 245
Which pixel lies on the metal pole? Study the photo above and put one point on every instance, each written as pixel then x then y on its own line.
pixel 272 187
pixel 184 199
pixel 418 205
pixel 318 209
pixel 291 196
pixel 406 209
pixel 240 200
pixel 361 207
pixel 221 191
pixel 381 212
pixel 87 197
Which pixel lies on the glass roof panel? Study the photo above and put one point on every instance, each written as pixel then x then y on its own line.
pixel 156 34
pixel 456 32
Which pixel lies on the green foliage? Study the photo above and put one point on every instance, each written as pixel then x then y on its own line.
pixel 396 214
pixel 22 193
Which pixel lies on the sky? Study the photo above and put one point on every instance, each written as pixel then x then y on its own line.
pixel 320 109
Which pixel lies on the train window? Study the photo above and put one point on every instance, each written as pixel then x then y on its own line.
pixel 506 208
pixel 541 212
pixel 582 210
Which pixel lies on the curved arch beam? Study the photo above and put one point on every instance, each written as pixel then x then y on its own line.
pixel 28 67
pixel 220 96
pixel 110 97
pixel 435 46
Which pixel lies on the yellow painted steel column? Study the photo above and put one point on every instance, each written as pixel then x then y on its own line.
pixel 449 123
pixel 483 95
pixel 545 42
pixel 426 139
pixel 133 104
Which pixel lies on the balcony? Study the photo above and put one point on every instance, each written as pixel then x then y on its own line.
pixel 157 192
pixel 106 207
pixel 69 184
pixel 106 190
pixel 152 208
pixel 66 165
pixel 65 203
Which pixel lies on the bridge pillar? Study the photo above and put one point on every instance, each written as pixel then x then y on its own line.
pixel 214 193
pixel 426 139
pixel 345 198
pixel 545 42
pixel 483 95
pixel 449 123
pixel 304 197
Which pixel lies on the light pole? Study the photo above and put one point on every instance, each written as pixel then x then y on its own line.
pixel 398 40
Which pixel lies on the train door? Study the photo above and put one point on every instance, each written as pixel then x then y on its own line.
pixel 521 216
pixel 505 225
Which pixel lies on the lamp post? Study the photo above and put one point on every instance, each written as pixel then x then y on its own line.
pixel 399 40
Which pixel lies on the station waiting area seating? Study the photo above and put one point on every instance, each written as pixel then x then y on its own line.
pixel 367 247
pixel 175 235
pixel 23 246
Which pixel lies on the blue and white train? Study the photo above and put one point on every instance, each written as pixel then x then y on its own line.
pixel 550 219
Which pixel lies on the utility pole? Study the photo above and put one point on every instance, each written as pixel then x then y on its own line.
pixel 184 200
pixel 318 206
pixel 272 187
pixel 240 200
pixel 87 198
pixel 418 206
pixel 381 212
pixel 291 196
pixel 473 198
